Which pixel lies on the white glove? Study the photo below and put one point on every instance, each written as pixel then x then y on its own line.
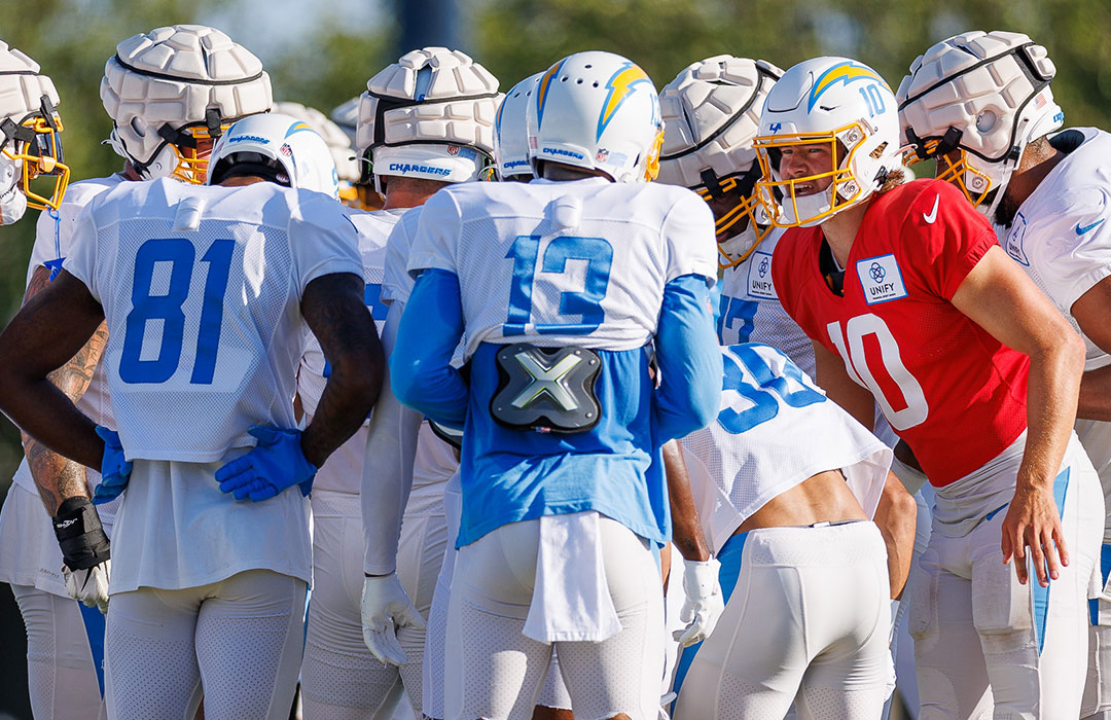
pixel 385 608
pixel 13 203
pixel 704 604
pixel 89 587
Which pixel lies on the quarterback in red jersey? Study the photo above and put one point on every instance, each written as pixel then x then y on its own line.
pixel 910 301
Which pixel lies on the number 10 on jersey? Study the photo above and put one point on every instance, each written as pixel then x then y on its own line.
pixel 180 255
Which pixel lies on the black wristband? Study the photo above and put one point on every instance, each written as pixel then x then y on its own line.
pixel 80 534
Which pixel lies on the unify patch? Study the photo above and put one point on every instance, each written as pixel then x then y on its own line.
pixel 881 279
pixel 760 276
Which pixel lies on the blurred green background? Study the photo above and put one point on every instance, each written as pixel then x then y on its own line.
pixel 321 54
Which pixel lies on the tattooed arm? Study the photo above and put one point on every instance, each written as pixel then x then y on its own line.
pixel 334 309
pixel 58 478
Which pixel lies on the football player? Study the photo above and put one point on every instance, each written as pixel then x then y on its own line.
pixel 711 113
pixel 68 659
pixel 912 304
pixel 205 291
pixel 511 164
pixel 557 287
pixel 805 572
pixel 981 105
pixel 412 154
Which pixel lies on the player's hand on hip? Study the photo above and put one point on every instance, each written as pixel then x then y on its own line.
pixel 704 604
pixel 277 462
pixel 115 469
pixel 1033 521
pixel 385 608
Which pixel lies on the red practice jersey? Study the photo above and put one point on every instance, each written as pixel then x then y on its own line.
pixel 951 390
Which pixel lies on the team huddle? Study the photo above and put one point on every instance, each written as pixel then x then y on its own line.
pixel 580 400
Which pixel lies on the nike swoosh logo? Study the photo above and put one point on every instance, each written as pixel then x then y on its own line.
pixel 933 213
pixel 1081 229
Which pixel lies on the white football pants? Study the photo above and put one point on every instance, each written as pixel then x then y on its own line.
pixel 340 678
pixel 495 672
pixel 552 695
pixel 236 642
pixel 807 621
pixel 1095 436
pixel 61 669
pixel 986 646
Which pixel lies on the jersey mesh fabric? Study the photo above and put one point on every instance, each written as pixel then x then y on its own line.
pixel 951 390
pixel 267 243
pixel 53 240
pixel 570 263
pixel 750 310
pixel 1059 235
pixel 753 463
pixel 338 473
pixel 397 283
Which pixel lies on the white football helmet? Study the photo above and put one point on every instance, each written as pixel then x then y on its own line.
pixel 30 139
pixel 511 131
pixel 598 111
pixel 343 154
pixel 280 147
pixel 173 91
pixel 974 102
pixel 711 112
pixel 430 115
pixel 837 103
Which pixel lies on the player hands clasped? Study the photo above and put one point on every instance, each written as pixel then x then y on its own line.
pixel 910 301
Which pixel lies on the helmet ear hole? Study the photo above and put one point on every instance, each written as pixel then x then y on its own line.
pixel 1013 106
pixel 161 86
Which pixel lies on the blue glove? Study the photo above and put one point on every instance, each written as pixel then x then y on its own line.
pixel 115 470
pixel 276 463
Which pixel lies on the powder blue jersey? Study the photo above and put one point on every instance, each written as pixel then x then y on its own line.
pixel 620 269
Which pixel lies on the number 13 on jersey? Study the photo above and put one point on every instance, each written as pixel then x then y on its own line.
pixel 585 306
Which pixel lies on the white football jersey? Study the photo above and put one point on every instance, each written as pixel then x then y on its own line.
pixel 750 310
pixel 201 288
pixel 1062 239
pixel 562 263
pixel 398 283
pixel 374 229
pixel 775 429
pixel 53 243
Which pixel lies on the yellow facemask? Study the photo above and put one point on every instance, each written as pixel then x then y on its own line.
pixel 745 209
pixel 37 146
pixel 844 189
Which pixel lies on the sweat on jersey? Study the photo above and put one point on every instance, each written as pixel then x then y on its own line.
pixel 606 266
pixel 775 429
pixel 951 390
